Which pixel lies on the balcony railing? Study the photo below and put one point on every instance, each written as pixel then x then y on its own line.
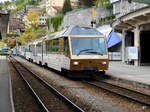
pixel 126 7
pixel 142 1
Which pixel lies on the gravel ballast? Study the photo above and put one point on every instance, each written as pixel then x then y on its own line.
pixel 88 98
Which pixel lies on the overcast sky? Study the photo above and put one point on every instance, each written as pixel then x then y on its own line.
pixel 4 0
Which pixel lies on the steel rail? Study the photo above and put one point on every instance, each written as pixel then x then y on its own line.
pixel 120 94
pixel 74 106
pixel 134 91
pixel 32 90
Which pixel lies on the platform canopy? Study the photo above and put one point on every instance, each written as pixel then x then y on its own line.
pixel 139 17
pixel 112 37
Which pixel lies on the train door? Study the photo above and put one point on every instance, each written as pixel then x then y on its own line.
pixel 65 57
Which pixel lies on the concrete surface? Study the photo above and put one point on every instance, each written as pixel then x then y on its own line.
pixel 5 101
pixel 121 70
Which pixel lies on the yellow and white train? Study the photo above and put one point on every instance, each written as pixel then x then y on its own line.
pixel 73 50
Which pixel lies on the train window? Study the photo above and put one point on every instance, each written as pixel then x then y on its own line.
pixel 44 47
pixel 55 45
pixel 102 46
pixel 52 45
pixel 39 48
pixel 66 46
pixel 88 46
pixel 29 49
pixel 47 46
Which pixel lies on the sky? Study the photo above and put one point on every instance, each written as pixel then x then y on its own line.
pixel 4 0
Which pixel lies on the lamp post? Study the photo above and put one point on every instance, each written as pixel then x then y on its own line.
pixel 18 33
pixel 16 46
pixel 93 22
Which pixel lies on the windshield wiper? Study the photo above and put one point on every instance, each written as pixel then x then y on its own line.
pixel 83 51
pixel 94 52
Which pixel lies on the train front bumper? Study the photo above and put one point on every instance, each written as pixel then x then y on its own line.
pixel 88 65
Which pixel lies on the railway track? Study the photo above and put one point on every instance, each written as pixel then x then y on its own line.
pixel 131 95
pixel 50 99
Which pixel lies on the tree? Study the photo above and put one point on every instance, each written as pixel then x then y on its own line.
pixel 1 44
pixel 31 34
pixel 7 3
pixel 102 3
pixel 86 3
pixel 11 42
pixel 66 6
pixel 1 6
pixel 33 2
pixel 33 17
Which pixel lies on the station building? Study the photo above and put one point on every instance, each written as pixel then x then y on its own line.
pixel 135 29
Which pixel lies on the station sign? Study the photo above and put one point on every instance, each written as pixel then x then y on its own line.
pixel 132 53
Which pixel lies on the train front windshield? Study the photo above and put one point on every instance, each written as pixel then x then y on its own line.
pixel 88 46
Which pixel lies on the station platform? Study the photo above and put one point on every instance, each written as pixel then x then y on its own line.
pixel 135 74
pixel 5 88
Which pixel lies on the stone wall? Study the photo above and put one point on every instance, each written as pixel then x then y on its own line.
pixel 84 16
pixel 123 7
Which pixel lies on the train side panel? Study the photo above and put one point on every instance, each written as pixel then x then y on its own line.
pixel 57 61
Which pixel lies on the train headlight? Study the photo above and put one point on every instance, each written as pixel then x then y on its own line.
pixel 104 62
pixel 76 63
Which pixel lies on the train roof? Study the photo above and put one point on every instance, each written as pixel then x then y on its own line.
pixel 75 30
pixel 37 41
pixel 72 30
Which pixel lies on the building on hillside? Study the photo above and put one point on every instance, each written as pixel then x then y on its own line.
pixel 15 25
pixel 52 10
pixel 58 3
pixel 74 3
pixel 15 15
pixel 42 4
pixel 54 6
pixel 122 7
pixel 41 19
pixel 27 8
pixel 11 6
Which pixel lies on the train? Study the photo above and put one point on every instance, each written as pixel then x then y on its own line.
pixel 77 51
pixel 4 51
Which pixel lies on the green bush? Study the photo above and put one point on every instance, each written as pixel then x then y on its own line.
pixel 56 22
pixel 107 18
pixel 66 6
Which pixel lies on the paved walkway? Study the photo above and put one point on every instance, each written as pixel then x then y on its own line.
pixel 5 102
pixel 129 72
